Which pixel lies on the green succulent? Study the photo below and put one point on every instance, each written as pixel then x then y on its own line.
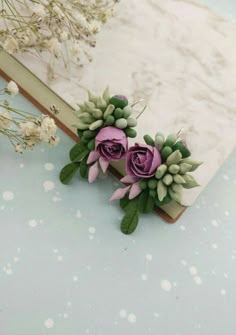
pixel 172 176
pixel 102 111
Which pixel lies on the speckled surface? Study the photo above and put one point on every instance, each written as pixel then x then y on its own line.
pixel 65 268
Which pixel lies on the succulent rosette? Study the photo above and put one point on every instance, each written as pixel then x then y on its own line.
pixel 157 173
pixel 104 125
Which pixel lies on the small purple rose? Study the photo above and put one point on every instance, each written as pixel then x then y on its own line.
pixel 111 143
pixel 142 160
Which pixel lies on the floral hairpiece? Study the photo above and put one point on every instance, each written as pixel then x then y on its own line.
pixel 104 124
pixel 157 172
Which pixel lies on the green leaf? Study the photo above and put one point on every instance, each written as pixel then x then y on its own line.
pixel 142 201
pixel 124 201
pixel 84 167
pixel 149 204
pixel 68 172
pixel 131 218
pixel 78 152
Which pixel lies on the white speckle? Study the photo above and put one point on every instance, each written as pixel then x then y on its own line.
pixel 16 259
pixel 193 270
pixel 91 237
pixel 144 276
pixel 88 267
pixel 49 166
pixel 149 257
pixel 21 166
pixel 59 258
pixel 49 323
pixel 2 207
pixel 87 331
pixel 225 177
pixel 55 251
pixel 33 223
pixel 8 195
pixel 214 246
pixel 226 213
pixel 75 278
pixel 65 315
pixel 166 285
pixel 132 318
pixel 175 284
pixel 78 214
pixel 183 262
pixel 197 206
pixel 198 280
pixel 156 315
pixel 69 303
pixel 204 229
pixel 48 186
pixel 196 253
pixel 223 292
pixel 8 271
pixel 18 250
pixel 92 230
pixel 226 275
pixel 182 228
pixel 214 223
pixel 123 314
pixel 216 204
pixel 233 257
pixel 56 199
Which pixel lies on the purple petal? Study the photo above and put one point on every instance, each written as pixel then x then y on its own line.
pixel 129 179
pixel 93 156
pixel 104 163
pixel 134 191
pixel 93 172
pixel 120 193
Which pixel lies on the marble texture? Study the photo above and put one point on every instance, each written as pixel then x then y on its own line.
pixel 181 58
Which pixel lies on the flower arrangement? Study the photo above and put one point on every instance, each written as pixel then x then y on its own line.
pixel 104 124
pixel 51 25
pixel 23 129
pixel 157 173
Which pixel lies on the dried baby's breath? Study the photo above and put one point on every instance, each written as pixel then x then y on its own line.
pixel 65 29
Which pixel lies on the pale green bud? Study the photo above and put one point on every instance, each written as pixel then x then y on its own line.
pixel 178 179
pixel 127 110
pixel 174 158
pixel 101 103
pixel 132 122
pixel 92 97
pixel 184 168
pixel 97 113
pixel 96 124
pixel 161 171
pixel 108 111
pixel 177 196
pixel 106 95
pixel 190 182
pixel 121 123
pixel 174 168
pixel 194 164
pixel 177 187
pixel 161 190
pixel 86 118
pixel 168 179
pixel 159 142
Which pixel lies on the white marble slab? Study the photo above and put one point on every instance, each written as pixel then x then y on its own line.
pixel 178 55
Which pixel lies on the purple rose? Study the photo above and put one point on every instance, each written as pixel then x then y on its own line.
pixel 142 160
pixel 111 143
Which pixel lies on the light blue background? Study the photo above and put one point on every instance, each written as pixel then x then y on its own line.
pixel 63 258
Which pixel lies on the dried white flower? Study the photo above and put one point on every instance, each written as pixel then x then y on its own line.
pixel 12 88
pixel 19 148
pixel 39 11
pixel 5 119
pixel 11 45
pixel 54 46
pixel 57 10
pixel 28 129
pixel 53 141
pixel 64 36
